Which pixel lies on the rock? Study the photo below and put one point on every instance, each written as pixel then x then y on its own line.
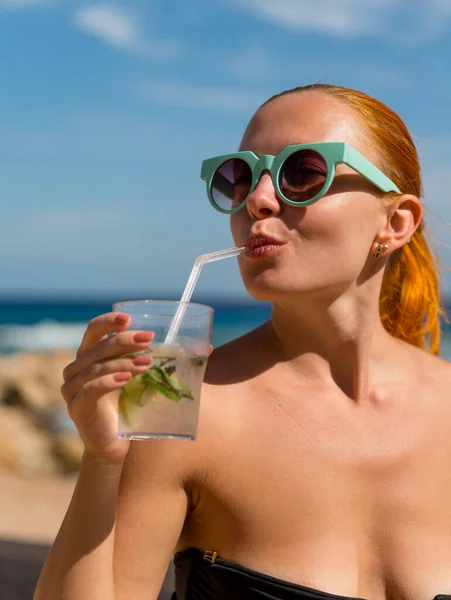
pixel 68 450
pixel 29 393
pixel 23 448
pixel 36 434
pixel 33 379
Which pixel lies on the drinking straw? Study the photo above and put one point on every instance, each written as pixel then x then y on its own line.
pixel 192 280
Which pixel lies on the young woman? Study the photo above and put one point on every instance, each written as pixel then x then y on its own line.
pixel 322 467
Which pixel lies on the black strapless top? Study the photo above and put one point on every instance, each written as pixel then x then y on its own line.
pixel 199 576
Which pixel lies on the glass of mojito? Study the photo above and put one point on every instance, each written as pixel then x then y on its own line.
pixel 164 401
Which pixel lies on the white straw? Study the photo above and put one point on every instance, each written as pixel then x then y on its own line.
pixel 191 283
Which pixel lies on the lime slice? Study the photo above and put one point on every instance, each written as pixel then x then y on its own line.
pixel 134 390
pixel 131 400
pixel 129 412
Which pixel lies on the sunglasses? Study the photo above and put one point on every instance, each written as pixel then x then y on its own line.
pixel 301 174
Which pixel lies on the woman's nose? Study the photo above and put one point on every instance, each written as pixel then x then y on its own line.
pixel 263 202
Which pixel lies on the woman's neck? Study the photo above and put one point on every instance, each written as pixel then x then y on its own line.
pixel 342 343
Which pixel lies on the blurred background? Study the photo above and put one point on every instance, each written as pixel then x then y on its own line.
pixel 107 110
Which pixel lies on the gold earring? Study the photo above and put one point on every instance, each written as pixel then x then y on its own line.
pixel 380 247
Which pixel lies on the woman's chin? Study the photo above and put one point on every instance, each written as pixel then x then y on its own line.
pixel 266 287
pixel 265 292
pixel 262 295
pixel 260 278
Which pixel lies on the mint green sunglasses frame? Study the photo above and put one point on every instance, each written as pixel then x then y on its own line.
pixel 333 153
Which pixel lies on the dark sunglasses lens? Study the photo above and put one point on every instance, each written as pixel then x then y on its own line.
pixel 303 175
pixel 231 183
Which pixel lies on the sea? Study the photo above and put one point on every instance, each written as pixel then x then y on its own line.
pixel 49 324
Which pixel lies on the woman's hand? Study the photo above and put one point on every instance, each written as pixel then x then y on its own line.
pixel 94 380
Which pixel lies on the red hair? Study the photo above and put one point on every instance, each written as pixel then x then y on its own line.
pixel 409 304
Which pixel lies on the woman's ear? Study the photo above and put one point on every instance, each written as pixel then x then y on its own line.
pixel 404 216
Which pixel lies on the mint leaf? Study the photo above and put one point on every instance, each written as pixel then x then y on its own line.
pixel 175 384
pixel 166 391
pixel 153 375
pixel 172 381
pixel 166 382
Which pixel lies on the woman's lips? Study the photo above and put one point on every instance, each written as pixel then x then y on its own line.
pixel 260 247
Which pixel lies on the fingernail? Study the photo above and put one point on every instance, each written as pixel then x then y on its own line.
pixel 143 336
pixel 142 359
pixel 121 319
pixel 122 376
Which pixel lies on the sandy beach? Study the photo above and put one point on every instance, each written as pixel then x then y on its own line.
pixel 31 511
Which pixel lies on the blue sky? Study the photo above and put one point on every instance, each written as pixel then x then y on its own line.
pixel 107 110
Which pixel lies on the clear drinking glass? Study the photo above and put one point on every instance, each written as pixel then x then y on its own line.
pixel 164 401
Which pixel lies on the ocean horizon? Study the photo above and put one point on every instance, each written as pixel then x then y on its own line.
pixel 47 324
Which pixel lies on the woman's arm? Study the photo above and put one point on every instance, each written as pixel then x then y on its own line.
pixel 129 504
pixel 121 528
pixel 79 564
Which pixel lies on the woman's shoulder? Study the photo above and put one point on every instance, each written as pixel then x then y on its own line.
pixel 434 368
pixel 432 381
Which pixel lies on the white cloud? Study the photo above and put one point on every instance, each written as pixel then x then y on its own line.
pixel 198 97
pixel 121 28
pixel 114 26
pixel 354 18
pixel 340 17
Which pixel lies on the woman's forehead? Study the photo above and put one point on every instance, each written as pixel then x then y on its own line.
pixel 301 118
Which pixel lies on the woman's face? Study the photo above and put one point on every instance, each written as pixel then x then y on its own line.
pixel 325 246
